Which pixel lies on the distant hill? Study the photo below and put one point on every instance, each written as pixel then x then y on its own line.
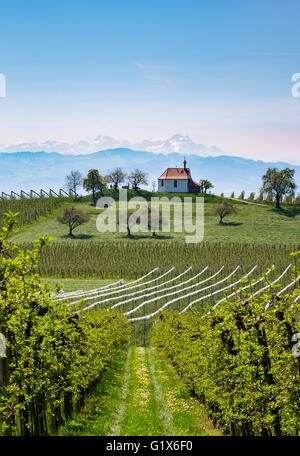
pixel 36 170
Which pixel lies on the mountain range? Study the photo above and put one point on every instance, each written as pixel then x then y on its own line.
pixel 175 143
pixel 26 170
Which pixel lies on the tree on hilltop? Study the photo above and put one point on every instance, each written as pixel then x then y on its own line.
pixel 206 185
pixel 73 181
pixel 137 177
pixel 279 183
pixel 260 197
pixel 116 177
pixel 94 182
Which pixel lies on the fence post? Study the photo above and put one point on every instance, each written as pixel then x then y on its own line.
pixel 1 371
pixel 3 359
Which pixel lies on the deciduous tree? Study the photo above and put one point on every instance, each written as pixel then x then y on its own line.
pixel 73 181
pixel 260 197
pixel 94 182
pixel 137 177
pixel 279 183
pixel 116 177
pixel 223 209
pixel 148 219
pixel 73 218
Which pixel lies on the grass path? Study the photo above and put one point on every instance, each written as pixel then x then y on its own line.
pixel 140 395
pixel 119 413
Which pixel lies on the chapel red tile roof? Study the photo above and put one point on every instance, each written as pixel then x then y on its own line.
pixel 175 173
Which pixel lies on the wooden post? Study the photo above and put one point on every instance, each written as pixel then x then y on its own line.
pixel 3 359
pixel 1 371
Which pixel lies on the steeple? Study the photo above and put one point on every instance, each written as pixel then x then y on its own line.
pixel 184 163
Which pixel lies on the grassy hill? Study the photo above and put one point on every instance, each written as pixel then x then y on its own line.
pixel 256 234
pixel 251 223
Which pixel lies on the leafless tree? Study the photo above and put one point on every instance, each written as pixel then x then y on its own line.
pixel 116 177
pixel 73 181
pixel 137 177
pixel 152 220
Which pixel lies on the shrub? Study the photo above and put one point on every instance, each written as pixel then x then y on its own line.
pixel 53 355
pixel 239 361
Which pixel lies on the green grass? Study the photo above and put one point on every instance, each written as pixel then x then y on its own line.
pixel 259 224
pixel 188 415
pixel 209 198
pixel 142 415
pixel 98 415
pixel 140 394
pixel 76 284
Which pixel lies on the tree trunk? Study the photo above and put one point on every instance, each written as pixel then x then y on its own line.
pixel 269 379
pixel 70 231
pixel 68 405
pixel 277 202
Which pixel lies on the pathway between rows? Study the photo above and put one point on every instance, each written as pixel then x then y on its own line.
pixel 141 395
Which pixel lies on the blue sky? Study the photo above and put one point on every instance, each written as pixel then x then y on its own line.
pixel 218 71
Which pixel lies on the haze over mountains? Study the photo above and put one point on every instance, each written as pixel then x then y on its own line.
pixel 35 166
pixel 175 143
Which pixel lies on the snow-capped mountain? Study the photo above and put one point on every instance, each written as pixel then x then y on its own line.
pixel 174 144
pixel 177 143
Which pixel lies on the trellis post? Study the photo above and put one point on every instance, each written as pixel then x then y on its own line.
pixel 3 359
